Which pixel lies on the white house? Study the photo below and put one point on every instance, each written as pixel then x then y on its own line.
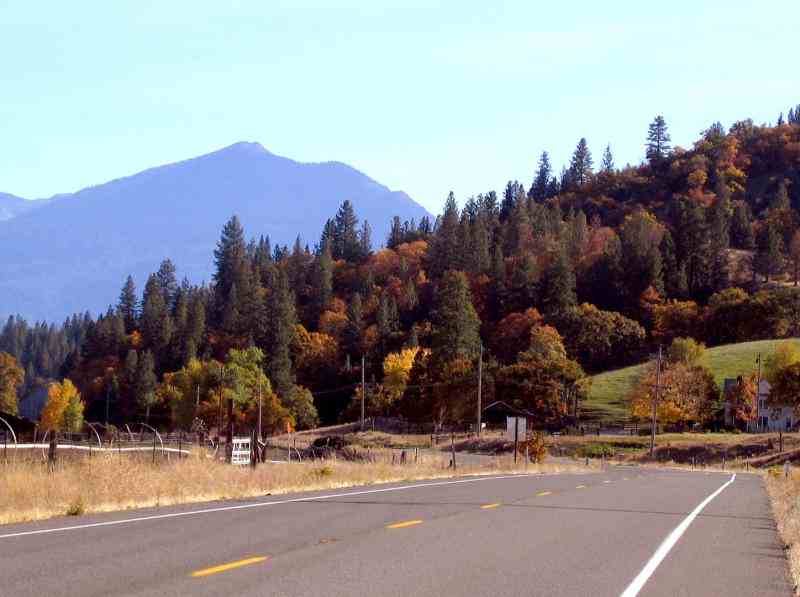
pixel 771 418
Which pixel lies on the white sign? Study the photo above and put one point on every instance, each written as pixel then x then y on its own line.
pixel 516 426
pixel 240 453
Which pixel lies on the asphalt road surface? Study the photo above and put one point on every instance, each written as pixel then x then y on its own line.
pixel 625 531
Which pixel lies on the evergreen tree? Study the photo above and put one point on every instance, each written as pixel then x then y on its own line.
pixel 444 247
pixel 395 234
pixel 156 320
pixel 674 282
pixel 346 244
pixel 167 282
pixel 365 240
pixel 282 321
pixel 127 305
pixel 539 189
pixel 741 232
pixel 768 259
pixel 657 140
pixel 580 169
pixel 719 230
pixel 522 288
pixel 509 202
pixel 456 324
pixel 145 384
pixel 353 331
pixel 229 258
pixel 480 259
pixel 558 286
pixel 322 283
pixel 607 165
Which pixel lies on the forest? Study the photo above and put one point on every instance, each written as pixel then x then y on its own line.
pixel 584 270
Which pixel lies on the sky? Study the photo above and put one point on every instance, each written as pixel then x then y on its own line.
pixel 424 97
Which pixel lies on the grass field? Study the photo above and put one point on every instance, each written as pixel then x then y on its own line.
pixel 607 402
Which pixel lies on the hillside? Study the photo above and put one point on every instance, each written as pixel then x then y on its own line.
pixel 72 254
pixel 11 206
pixel 607 398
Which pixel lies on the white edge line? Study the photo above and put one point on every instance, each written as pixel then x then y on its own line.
pixel 109 523
pixel 638 583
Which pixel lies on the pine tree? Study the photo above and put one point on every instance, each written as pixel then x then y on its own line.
pixel 229 258
pixel 741 231
pixel 167 282
pixel 127 305
pixel 456 324
pixel 558 286
pixel 282 320
pixel 156 320
pixel 768 259
pixel 608 161
pixel 346 243
pixel 509 202
pixel 781 199
pixel 353 331
pixel 395 234
pixel 540 187
pixel 444 247
pixel 657 140
pixel 580 169
pixel 480 259
pixel 322 283
pixel 674 282
pixel 145 384
pixel 719 230
pixel 365 240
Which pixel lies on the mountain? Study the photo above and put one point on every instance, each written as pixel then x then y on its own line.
pixel 73 253
pixel 12 206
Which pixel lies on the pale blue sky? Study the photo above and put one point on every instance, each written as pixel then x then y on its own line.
pixel 422 96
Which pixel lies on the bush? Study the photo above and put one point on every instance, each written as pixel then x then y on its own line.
pixel 537 451
pixel 595 451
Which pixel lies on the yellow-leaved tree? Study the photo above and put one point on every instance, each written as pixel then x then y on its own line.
pixel 64 408
pixel 786 354
pixel 396 370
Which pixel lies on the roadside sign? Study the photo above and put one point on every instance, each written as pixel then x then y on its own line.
pixel 516 428
pixel 240 454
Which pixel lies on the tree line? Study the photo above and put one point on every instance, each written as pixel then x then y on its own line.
pixel 580 272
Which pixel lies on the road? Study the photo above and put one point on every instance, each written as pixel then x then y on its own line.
pixel 593 534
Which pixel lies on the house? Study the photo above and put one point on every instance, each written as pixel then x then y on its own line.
pixel 768 418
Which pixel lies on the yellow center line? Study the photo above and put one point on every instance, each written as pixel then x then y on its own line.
pixel 404 524
pixel 624 478
pixel 581 487
pixel 606 481
pixel 543 493
pixel 229 566
pixel 489 506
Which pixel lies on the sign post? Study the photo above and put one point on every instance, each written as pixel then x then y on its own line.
pixel 241 451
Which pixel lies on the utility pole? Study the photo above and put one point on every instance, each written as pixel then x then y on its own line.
pixel 480 379
pixel 258 427
pixel 108 396
pixel 363 390
pixel 758 391
pixel 219 411
pixel 655 405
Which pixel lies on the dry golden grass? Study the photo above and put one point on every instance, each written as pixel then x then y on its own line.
pixel 785 497
pixel 28 491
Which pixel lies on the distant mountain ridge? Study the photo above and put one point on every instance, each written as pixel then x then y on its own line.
pixel 11 206
pixel 73 253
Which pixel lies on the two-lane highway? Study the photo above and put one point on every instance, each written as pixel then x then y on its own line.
pixel 625 531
